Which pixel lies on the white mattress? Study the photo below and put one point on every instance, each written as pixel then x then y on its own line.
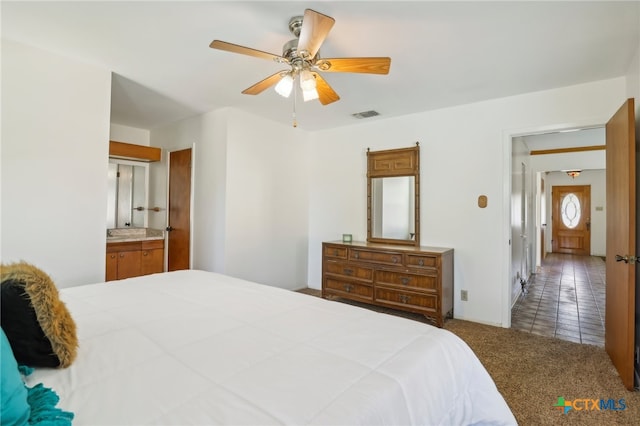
pixel 194 347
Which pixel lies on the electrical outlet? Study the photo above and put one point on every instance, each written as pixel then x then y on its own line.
pixel 463 295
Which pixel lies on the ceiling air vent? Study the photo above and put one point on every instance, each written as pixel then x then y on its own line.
pixel 366 114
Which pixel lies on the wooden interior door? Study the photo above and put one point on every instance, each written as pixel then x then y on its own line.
pixel 621 240
pixel 571 219
pixel 179 240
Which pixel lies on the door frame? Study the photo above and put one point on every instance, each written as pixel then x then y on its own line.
pixel 507 152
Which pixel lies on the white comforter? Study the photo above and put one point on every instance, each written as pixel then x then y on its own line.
pixel 194 347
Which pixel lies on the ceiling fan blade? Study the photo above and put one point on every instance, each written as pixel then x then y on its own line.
pixel 262 85
pixel 379 65
pixel 326 94
pixel 315 27
pixel 236 48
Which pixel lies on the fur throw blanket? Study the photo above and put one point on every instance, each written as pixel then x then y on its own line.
pixel 37 323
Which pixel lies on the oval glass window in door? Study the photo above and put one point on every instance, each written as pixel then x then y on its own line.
pixel 571 210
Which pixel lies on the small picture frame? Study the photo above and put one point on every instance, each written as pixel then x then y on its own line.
pixel 346 238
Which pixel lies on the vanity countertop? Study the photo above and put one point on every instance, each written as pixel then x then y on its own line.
pixel 119 235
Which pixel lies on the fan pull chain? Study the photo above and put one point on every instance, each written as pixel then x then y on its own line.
pixel 295 96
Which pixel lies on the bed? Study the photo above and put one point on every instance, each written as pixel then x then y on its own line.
pixel 201 348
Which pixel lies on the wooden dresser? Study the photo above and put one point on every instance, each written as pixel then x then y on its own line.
pixel 415 279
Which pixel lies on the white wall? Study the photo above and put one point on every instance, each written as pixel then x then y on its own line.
pixel 267 202
pixel 55 134
pixel 465 152
pixel 250 206
pixel 633 83
pixel 128 134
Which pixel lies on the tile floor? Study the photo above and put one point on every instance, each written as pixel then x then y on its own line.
pixel 565 299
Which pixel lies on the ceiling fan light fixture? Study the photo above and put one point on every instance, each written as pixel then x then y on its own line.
pixel 307 80
pixel 302 55
pixel 284 86
pixel 572 173
pixel 310 94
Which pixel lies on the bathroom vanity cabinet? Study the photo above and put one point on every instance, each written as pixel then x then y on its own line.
pixel 134 258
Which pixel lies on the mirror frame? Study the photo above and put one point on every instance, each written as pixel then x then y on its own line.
pixel 394 163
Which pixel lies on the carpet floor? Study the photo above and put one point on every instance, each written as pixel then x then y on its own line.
pixel 532 372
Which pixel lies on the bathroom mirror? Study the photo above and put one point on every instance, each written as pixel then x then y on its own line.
pixel 393 182
pixel 127 194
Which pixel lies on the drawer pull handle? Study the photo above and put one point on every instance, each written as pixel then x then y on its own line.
pixel 394 259
pixel 405 280
pixel 404 298
pixel 348 288
pixel 335 252
pixel 356 255
pixel 421 262
pixel 348 271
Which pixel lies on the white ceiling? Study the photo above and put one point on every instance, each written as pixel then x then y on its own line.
pixel 443 53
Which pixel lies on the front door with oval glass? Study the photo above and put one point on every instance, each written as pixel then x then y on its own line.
pixel 571 219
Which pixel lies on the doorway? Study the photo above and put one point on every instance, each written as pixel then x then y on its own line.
pixel 567 285
pixel 620 295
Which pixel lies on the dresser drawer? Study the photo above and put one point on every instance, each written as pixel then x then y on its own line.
pixel 333 252
pixel 421 260
pixel 347 270
pixel 380 257
pixel 425 302
pixel 412 279
pixel 348 289
pixel 400 279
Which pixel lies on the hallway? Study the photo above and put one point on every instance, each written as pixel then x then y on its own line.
pixel 565 299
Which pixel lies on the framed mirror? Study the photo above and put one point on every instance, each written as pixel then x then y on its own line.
pixel 127 194
pixel 393 196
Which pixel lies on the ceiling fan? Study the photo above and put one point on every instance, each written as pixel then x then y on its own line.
pixel 302 54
